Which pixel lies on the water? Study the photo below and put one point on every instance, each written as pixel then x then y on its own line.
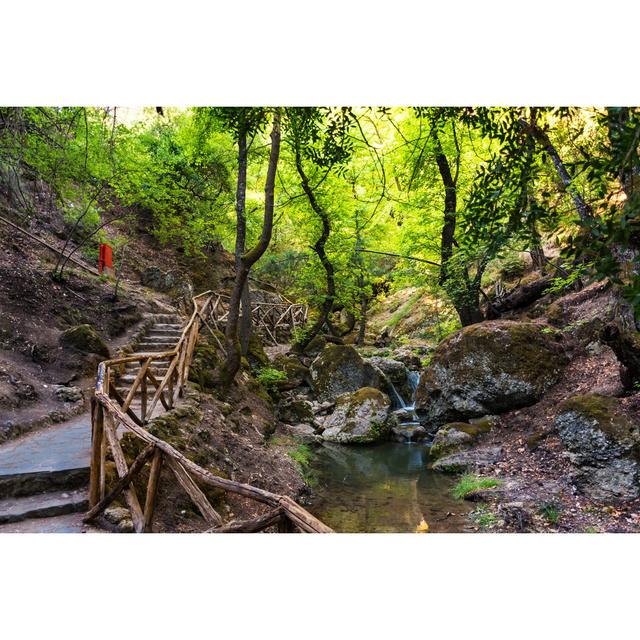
pixel 383 488
pixel 386 487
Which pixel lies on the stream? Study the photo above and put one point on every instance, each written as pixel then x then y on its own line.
pixel 386 487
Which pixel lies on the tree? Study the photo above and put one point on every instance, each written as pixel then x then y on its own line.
pixel 233 347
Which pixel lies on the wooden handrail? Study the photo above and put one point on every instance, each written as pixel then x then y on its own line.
pixel 111 414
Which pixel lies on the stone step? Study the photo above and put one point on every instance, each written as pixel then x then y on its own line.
pixel 151 347
pixel 130 377
pixel 169 340
pixel 52 459
pixel 155 331
pixel 162 318
pixel 43 505
pixel 69 523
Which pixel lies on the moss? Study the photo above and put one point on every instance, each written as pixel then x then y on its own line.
pixel 555 314
pixel 256 355
pixel 205 361
pixel 84 338
pixel 604 410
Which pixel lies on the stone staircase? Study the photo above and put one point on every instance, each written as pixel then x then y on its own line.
pixel 44 475
pixel 162 333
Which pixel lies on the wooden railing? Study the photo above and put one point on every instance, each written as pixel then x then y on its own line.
pixel 267 317
pixel 113 415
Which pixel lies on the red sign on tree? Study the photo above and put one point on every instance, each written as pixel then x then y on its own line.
pixel 105 260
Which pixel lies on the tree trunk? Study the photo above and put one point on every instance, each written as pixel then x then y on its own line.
pixel 319 248
pixel 584 210
pixel 450 205
pixel 364 303
pixel 247 260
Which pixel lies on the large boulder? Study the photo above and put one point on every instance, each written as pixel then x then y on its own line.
pixel 340 369
pixel 604 443
pixel 83 338
pixel 360 417
pixel 489 368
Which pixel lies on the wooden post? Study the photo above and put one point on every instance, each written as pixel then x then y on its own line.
pixel 121 467
pixel 97 429
pixel 152 490
pixel 143 399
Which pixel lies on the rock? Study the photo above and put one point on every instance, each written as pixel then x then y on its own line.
pixel 489 368
pixel 68 394
pixel 315 347
pixel 84 338
pixel 256 354
pixel 470 460
pixel 120 517
pixel 303 432
pixel 205 362
pixel 340 369
pixel 295 411
pixel 297 373
pixel 408 433
pixel 603 443
pixel 450 438
pixel 159 280
pixel 455 436
pixel 360 417
pixel 408 358
pixel 396 378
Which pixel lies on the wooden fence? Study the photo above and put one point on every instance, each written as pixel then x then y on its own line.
pixel 113 415
pixel 268 318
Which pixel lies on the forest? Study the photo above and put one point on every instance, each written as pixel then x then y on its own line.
pixel 467 286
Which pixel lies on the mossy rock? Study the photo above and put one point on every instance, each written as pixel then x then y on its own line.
pixel 256 355
pixel 489 368
pixel 360 417
pixel 339 369
pixel 295 371
pixel 455 436
pixel 84 338
pixel 205 361
pixel 315 347
pixel 602 413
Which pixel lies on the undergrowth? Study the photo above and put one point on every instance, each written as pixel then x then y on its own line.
pixel 469 483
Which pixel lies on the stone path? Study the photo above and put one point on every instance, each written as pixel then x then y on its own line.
pixel 44 475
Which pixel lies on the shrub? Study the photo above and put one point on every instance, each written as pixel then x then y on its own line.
pixel 269 377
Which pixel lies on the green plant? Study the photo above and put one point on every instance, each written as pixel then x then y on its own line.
pixel 551 512
pixel 303 457
pixel 512 266
pixel 484 517
pixel 574 274
pixel 269 377
pixel 469 483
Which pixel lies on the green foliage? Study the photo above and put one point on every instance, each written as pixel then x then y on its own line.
pixel 551 511
pixel 484 517
pixel 469 483
pixel 269 377
pixel 512 266
pixel 303 456
pixel 574 274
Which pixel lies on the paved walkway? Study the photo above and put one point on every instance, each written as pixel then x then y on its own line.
pixel 57 448
pixel 69 523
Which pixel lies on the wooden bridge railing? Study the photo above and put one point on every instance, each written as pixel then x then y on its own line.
pixel 267 317
pixel 112 415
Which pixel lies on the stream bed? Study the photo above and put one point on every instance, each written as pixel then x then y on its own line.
pixel 383 488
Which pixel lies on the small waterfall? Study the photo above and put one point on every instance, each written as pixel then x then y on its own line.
pixel 408 422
